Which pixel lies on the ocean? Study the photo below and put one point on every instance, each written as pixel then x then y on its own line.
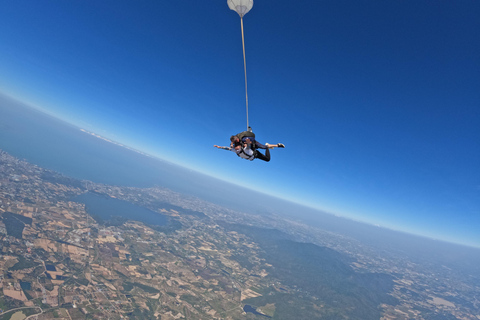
pixel 51 143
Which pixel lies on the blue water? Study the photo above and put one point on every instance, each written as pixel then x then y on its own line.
pixel 106 208
pixel 53 144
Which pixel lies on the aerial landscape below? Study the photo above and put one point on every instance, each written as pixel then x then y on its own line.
pixel 199 260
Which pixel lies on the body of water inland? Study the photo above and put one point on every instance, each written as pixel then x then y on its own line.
pixel 108 208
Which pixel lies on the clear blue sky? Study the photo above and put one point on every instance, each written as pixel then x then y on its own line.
pixel 378 102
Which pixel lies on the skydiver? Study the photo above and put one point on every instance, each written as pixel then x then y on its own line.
pixel 245 146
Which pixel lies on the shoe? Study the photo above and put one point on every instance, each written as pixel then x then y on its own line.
pixel 280 145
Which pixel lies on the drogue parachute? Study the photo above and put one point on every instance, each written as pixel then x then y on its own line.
pixel 240 6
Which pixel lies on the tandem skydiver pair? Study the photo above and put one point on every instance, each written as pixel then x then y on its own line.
pixel 245 146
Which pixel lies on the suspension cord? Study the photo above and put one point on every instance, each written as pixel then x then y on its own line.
pixel 245 69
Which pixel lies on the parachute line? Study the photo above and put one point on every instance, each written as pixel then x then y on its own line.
pixel 242 7
pixel 245 69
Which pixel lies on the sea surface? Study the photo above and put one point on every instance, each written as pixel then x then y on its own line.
pixel 54 144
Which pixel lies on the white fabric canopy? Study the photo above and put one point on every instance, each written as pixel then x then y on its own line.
pixel 240 6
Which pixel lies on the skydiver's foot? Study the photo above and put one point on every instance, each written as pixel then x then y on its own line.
pixel 280 145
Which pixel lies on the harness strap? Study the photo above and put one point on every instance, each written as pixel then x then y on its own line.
pixel 250 157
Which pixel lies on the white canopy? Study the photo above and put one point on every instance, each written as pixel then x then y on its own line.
pixel 240 6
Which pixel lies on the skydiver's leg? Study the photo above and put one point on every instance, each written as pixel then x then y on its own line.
pixel 261 156
pixel 258 145
pixel 272 146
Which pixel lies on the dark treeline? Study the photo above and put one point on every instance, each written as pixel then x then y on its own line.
pixel 318 272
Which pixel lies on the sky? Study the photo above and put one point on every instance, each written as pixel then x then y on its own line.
pixel 377 102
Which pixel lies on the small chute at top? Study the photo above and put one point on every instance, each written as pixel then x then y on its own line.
pixel 240 6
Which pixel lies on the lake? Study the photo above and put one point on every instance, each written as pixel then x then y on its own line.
pixel 107 208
